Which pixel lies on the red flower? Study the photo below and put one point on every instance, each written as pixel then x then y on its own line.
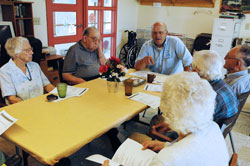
pixel 103 68
pixel 114 58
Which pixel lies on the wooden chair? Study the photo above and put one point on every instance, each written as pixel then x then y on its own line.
pixel 233 160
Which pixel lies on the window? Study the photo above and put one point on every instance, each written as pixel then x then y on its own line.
pixel 67 19
pixel 102 14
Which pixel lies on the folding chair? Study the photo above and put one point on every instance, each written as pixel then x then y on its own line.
pixel 228 123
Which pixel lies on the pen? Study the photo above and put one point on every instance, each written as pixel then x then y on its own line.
pixel 130 97
pixel 146 87
pixel 82 92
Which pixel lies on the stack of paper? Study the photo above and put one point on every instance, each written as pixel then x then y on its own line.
pixel 150 100
pixel 160 78
pixel 5 121
pixel 71 92
pixel 153 87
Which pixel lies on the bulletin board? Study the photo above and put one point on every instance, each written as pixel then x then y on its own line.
pixel 235 5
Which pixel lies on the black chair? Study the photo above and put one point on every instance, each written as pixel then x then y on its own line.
pixel 228 123
pixel 35 43
pixel 2 101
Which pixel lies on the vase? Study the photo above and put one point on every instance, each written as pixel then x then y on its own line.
pixel 112 86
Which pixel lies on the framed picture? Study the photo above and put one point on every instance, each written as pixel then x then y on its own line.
pixel 6 31
pixel 235 6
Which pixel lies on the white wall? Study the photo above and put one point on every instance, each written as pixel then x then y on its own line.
pixel 185 20
pixel 126 20
pixel 39 11
pixel 131 15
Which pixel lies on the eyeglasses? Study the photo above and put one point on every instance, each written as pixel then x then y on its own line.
pixel 94 39
pixel 28 50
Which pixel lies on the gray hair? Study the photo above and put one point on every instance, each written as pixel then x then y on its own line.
pixel 210 64
pixel 187 102
pixel 14 45
pixel 87 30
pixel 245 50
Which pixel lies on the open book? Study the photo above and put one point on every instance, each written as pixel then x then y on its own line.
pixel 129 153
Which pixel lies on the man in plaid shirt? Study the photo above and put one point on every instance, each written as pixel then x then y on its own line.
pixel 209 65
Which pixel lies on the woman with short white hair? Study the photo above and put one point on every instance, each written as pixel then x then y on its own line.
pixel 187 103
pixel 20 78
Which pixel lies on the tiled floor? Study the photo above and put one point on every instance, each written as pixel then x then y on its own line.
pixel 102 145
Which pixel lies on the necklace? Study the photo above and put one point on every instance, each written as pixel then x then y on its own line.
pixel 29 78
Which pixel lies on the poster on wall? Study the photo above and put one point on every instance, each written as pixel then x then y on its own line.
pixel 235 6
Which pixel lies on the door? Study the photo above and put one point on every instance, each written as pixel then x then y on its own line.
pixel 65 23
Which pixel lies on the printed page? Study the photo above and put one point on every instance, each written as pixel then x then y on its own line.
pixel 71 92
pixel 5 121
pixel 130 154
pixel 140 74
pixel 160 78
pixel 100 159
pixel 150 100
pixel 153 87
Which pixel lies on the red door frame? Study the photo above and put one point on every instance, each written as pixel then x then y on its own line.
pixel 100 9
pixel 50 7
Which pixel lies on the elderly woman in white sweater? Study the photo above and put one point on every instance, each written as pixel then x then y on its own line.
pixel 187 103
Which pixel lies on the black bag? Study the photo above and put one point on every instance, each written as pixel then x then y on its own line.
pixel 202 42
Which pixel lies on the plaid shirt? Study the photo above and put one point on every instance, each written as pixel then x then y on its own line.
pixel 227 103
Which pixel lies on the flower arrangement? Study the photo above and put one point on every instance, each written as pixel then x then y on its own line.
pixel 113 69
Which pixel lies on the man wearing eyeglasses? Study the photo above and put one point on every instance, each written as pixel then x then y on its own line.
pixel 237 63
pixel 163 54
pixel 83 59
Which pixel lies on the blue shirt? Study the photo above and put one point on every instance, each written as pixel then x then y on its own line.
pixel 168 60
pixel 13 81
pixel 227 103
pixel 239 81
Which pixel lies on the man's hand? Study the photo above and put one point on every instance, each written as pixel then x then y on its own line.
pixel 161 127
pixel 141 64
pixel 148 60
pixel 102 58
pixel 153 145
pixel 106 163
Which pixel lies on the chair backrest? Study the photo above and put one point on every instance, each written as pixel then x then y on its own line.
pixel 229 122
pixel 35 43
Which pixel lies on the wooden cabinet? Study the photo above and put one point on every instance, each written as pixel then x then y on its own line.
pixel 51 66
pixel 187 3
pixel 21 15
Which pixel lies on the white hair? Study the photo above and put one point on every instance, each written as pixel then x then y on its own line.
pixel 187 102
pixel 14 45
pixel 210 64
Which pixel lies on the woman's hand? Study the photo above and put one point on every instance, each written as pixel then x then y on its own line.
pixel 106 163
pixel 153 145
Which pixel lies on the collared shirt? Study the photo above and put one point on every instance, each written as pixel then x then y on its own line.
pixel 227 103
pixel 239 81
pixel 14 82
pixel 81 62
pixel 170 59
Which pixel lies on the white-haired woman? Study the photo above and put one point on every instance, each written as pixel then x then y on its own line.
pixel 20 78
pixel 187 103
pixel 210 66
